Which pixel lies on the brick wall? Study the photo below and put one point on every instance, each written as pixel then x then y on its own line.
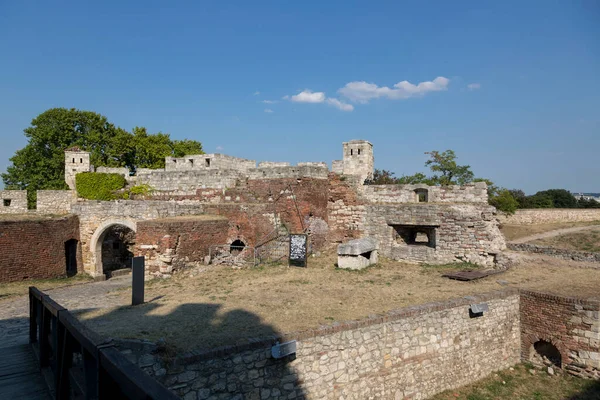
pixel 345 208
pixel 572 325
pixel 471 193
pixel 35 248
pixel 172 242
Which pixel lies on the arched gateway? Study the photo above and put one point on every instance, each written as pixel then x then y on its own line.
pixel 111 245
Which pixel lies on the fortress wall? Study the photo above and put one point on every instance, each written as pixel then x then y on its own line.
pixel 13 201
pixel 299 172
pixel 55 201
pixel 414 352
pixel 182 241
pixel 550 215
pixel 572 325
pixel 188 181
pixel 208 162
pixel 472 193
pixel 35 248
pixel 456 232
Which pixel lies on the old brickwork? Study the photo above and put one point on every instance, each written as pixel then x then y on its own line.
pixel 35 248
pixel 414 352
pixel 171 242
pixel 571 325
pixel 346 210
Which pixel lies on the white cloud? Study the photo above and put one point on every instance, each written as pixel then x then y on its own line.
pixel 219 148
pixel 257 93
pixel 270 101
pixel 340 105
pixel 474 86
pixel 307 96
pixel 362 92
pixel 268 110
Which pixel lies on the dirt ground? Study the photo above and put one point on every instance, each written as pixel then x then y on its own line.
pixel 512 232
pixel 588 240
pixel 219 305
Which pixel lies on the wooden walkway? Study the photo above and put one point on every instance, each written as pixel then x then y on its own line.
pixel 20 376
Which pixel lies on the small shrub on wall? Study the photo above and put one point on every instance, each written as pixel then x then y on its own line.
pixel 98 185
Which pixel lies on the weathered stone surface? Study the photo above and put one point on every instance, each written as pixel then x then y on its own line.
pixel 358 246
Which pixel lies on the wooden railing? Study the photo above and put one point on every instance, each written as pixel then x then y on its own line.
pixel 81 362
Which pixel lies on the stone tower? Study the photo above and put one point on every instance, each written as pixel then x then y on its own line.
pixel 76 161
pixel 358 159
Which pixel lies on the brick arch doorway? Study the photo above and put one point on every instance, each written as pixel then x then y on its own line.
pixel 107 236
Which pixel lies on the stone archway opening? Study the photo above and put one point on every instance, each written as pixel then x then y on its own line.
pixel 236 247
pixel 113 247
pixel 545 354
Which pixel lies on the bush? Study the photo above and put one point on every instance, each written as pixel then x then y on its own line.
pixel 504 201
pixel 98 185
pixel 141 190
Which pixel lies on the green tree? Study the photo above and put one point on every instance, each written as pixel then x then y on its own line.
pixel 561 198
pixel 504 201
pixel 446 170
pixel 40 164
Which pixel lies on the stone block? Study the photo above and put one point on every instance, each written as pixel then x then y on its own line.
pixel 358 253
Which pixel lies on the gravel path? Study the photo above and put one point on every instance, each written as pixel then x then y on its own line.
pixel 14 312
pixel 554 233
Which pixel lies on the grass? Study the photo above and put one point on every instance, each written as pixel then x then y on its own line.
pixel 519 383
pixel 512 232
pixel 588 240
pixel 20 288
pixel 223 306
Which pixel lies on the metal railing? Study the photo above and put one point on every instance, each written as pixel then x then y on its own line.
pixel 81 362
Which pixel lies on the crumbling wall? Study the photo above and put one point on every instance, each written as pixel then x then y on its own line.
pixel 55 201
pixel 571 325
pixel 180 241
pixel 13 201
pixel 34 248
pixel 346 210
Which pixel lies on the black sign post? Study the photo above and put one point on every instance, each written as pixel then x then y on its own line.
pixel 137 280
pixel 298 250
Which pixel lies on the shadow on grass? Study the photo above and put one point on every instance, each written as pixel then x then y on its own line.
pixel 592 392
pixel 228 353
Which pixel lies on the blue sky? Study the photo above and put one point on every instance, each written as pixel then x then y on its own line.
pixel 516 94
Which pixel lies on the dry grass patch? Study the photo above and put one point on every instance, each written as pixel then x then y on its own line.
pixel 588 240
pixel 512 232
pixel 223 306
pixel 21 288
pixel 519 383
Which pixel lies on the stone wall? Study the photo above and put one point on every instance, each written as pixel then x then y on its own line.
pixel 413 352
pixel 124 171
pixel 456 232
pixel 346 210
pixel 297 172
pixel 187 182
pixel 472 193
pixel 569 324
pixel 13 201
pixel 180 241
pixel 208 162
pixel 35 248
pixel 55 201
pixel 550 215
pixel 97 216
pixel 585 256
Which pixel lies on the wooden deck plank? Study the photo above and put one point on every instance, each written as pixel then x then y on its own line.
pixel 20 377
